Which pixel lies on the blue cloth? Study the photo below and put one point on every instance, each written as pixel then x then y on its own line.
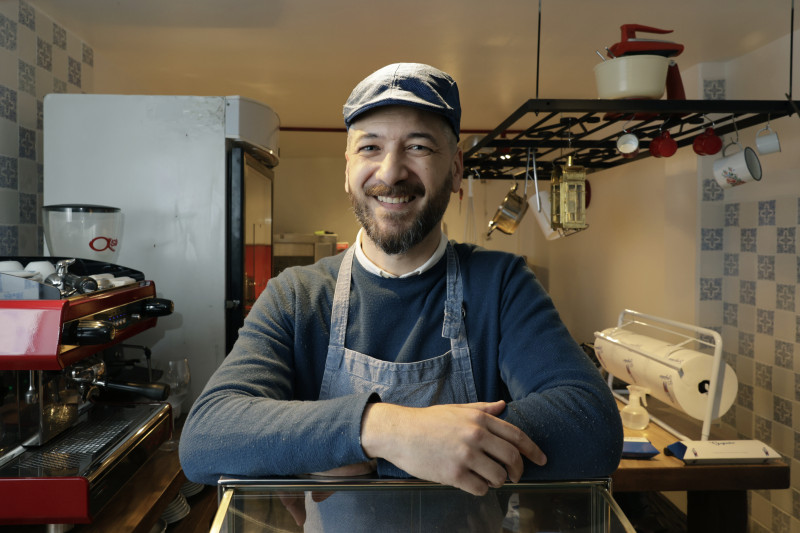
pixel 259 415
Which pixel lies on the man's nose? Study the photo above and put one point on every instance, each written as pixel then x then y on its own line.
pixel 392 168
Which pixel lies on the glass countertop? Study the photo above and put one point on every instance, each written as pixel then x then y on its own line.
pixel 368 505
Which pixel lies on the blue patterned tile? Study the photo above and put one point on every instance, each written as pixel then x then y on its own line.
pixel 781 521
pixel 763 376
pixel 766 213
pixel 785 297
pixel 74 72
pixel 8 103
pixel 784 354
pixel 763 429
pixel 748 240
pixel 59 86
pixel 712 192
pixel 711 239
pixel 765 321
pixel 59 36
pixel 39 115
pixel 732 215
pixel 731 265
pixel 796 454
pixel 782 411
pixel 27 78
pixel 747 292
pixel 27 143
pixel 745 396
pixel 714 89
pixel 797 330
pixel 27 208
pixel 40 178
pixel 787 240
pixel 766 267
pixel 88 55
pixel 27 15
pixel 9 240
pixel 8 33
pixel 710 288
pixel 44 54
pixel 797 399
pixel 730 314
pixel 9 173
pixel 747 343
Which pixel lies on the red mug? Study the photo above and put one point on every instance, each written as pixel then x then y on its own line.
pixel 654 147
pixel 707 143
pixel 666 145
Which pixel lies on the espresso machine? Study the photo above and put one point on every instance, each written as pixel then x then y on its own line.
pixel 70 434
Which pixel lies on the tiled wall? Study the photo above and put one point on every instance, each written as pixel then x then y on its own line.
pixel 37 57
pixel 750 269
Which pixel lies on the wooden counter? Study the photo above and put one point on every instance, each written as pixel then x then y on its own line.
pixel 716 494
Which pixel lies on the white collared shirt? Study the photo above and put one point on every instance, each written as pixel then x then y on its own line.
pixel 365 262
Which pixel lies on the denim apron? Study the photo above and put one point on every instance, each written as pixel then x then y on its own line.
pixel 446 379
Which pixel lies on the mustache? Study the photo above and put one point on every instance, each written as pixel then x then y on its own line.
pixel 401 189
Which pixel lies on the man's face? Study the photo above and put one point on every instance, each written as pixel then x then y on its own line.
pixel 402 166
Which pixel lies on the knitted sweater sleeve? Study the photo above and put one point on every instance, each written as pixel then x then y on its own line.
pixel 558 396
pixel 253 420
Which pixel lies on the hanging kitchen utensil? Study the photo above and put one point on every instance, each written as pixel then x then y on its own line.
pixel 470 234
pixel 568 196
pixel 509 213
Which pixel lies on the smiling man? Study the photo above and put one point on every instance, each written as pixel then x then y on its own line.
pixel 408 354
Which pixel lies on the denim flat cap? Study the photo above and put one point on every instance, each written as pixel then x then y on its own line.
pixel 410 84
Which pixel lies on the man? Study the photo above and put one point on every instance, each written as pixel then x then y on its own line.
pixel 407 354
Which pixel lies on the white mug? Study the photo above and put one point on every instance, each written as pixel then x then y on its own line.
pixel 45 268
pixel 769 142
pixel 10 266
pixel 737 169
pixel 628 144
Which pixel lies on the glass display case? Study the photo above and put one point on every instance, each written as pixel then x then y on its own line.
pixel 388 506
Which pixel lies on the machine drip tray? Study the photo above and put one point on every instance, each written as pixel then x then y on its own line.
pixel 90 462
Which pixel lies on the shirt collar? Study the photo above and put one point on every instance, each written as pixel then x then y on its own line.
pixel 371 267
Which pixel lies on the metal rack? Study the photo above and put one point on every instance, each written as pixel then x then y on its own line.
pixel 587 130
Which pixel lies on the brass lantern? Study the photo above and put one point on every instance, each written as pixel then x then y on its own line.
pixel 568 196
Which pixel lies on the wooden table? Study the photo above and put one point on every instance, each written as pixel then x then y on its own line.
pixel 716 494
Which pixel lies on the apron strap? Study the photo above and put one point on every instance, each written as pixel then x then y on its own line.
pixel 341 300
pixel 453 305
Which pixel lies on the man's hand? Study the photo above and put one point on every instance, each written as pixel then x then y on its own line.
pixel 463 445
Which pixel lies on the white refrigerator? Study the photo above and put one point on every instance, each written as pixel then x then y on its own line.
pixel 193 178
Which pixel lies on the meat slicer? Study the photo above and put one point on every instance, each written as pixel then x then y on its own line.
pixel 65 449
pixel 631 45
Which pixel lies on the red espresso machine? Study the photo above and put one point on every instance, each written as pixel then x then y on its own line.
pixel 70 436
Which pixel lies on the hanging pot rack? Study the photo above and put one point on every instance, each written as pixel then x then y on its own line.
pixel 588 130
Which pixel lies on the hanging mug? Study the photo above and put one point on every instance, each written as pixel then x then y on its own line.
pixel 663 145
pixel 738 168
pixel 768 143
pixel 628 145
pixel 707 143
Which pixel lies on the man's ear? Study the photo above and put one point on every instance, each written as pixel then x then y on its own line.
pixel 458 169
pixel 347 173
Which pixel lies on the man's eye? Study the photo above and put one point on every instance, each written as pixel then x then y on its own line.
pixel 367 148
pixel 419 148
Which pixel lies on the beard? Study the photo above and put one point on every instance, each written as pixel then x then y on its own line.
pixel 402 231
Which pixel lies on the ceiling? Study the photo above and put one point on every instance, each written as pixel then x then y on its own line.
pixel 302 57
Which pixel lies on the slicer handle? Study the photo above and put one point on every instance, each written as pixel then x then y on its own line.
pixel 629 30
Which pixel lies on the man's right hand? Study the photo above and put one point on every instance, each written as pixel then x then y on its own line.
pixel 462 445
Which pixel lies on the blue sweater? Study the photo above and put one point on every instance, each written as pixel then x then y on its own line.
pixel 259 415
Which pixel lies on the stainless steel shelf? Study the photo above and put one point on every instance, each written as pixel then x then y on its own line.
pixel 550 130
